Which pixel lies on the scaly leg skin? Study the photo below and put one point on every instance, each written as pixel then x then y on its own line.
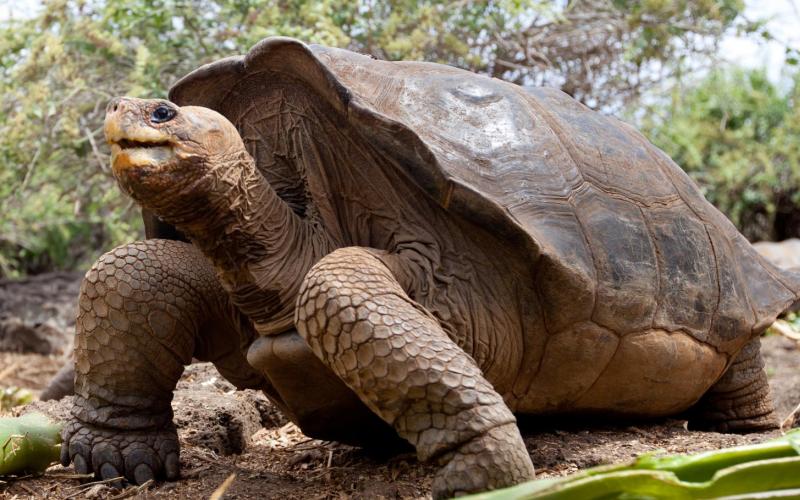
pixel 145 309
pixel 395 356
pixel 740 401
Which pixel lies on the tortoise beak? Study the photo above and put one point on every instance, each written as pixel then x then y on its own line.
pixel 134 143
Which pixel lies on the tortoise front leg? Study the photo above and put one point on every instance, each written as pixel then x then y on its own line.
pixel 395 356
pixel 144 310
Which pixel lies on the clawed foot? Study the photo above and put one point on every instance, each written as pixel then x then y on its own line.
pixel 138 455
pixel 497 459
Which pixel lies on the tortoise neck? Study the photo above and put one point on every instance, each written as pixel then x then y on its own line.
pixel 261 249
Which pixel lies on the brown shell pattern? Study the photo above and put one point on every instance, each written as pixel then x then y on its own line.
pixel 618 233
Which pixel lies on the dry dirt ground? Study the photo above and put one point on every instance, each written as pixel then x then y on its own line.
pixel 224 432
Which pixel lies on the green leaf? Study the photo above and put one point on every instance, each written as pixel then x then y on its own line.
pixel 767 470
pixel 30 443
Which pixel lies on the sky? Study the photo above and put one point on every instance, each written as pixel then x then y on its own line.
pixel 783 16
pixel 17 8
pixel 783 22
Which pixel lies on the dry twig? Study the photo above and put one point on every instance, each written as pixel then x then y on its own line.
pixel 222 488
pixel 29 490
pixel 57 475
pixel 133 491
pixel 786 330
pixel 790 419
pixel 94 483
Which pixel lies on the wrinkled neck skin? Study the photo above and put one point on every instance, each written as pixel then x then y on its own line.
pixel 261 249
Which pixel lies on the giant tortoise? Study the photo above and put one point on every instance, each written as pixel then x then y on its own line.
pixel 409 249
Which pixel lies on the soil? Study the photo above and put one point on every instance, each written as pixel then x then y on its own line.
pixel 226 433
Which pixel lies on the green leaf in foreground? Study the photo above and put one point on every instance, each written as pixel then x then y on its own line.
pixel 30 443
pixel 766 470
pixel 14 396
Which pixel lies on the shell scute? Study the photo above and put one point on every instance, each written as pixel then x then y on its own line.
pixel 565 276
pixel 606 154
pixel 625 260
pixel 688 271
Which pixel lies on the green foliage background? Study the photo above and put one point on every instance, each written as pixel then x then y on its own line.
pixel 737 135
pixel 60 208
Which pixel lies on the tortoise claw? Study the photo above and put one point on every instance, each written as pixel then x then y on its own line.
pixel 108 471
pixel 136 455
pixel 143 473
pixel 172 466
pixel 80 464
pixel 107 461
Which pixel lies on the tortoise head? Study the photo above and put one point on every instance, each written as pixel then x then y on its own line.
pixel 161 151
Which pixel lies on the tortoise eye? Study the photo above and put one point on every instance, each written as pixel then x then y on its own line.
pixel 162 114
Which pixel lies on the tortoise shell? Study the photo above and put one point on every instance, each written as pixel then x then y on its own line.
pixel 616 232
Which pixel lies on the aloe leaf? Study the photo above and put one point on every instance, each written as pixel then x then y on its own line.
pixel 703 466
pixel 29 443
pixel 755 477
pixel 760 471
pixel 765 495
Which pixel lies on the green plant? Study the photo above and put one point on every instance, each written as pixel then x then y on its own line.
pixel 736 134
pixel 28 444
pixel 14 396
pixel 759 471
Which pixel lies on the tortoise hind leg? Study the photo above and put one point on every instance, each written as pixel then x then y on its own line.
pixel 740 401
